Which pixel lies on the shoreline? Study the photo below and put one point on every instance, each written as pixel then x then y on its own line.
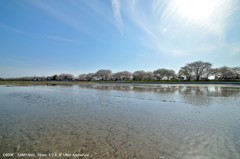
pixel 112 82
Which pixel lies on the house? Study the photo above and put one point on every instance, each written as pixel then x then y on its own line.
pixel 67 78
pixel 49 78
pixel 180 77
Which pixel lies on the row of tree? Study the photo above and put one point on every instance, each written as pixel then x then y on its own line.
pixel 202 70
pixel 195 70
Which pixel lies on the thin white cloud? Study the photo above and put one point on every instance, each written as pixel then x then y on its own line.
pixel 61 39
pixel 134 11
pixel 67 17
pixel 158 6
pixel 12 29
pixel 116 6
pixel 139 12
pixel 9 28
pixel 98 8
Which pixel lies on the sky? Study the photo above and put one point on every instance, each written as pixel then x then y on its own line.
pixel 47 37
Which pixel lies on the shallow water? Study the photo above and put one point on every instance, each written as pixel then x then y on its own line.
pixel 121 121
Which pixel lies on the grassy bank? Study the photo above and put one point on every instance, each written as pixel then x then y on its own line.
pixel 39 82
pixel 116 82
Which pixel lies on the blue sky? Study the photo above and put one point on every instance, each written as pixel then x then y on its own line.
pixel 46 37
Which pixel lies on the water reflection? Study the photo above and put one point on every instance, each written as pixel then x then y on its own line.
pixel 201 95
pixel 216 91
pixel 107 87
pixel 219 91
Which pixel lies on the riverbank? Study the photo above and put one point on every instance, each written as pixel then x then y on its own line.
pixel 112 82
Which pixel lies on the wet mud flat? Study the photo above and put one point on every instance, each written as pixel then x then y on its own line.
pixel 121 121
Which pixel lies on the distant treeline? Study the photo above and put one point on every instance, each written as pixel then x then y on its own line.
pixel 193 71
